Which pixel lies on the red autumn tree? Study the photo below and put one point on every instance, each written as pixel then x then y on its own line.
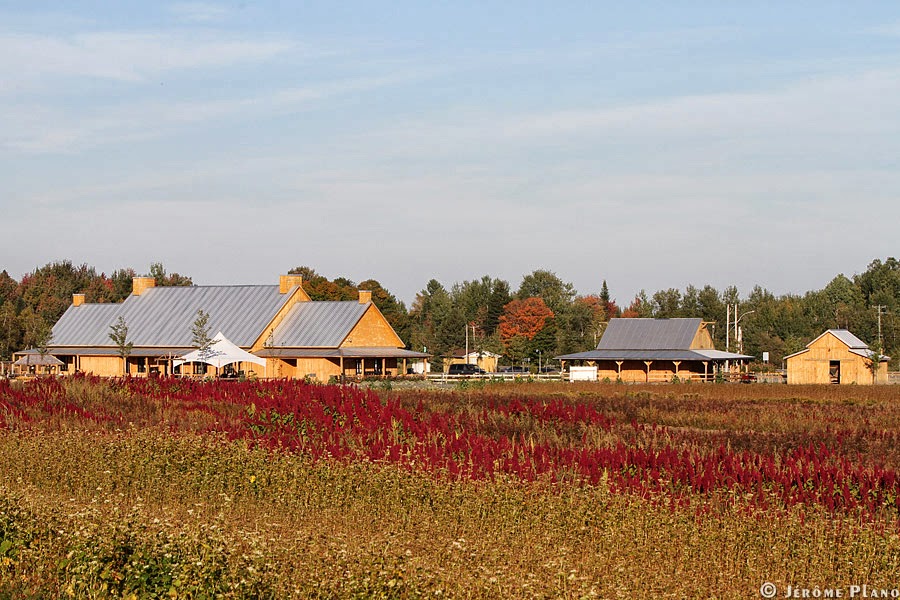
pixel 523 319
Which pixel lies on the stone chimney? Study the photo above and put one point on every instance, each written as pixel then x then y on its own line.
pixel 139 284
pixel 365 296
pixel 77 299
pixel 288 282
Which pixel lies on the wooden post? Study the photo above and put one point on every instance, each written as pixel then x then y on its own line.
pixel 705 370
pixel 619 369
pixel 676 363
pixel 404 367
pixel 383 368
pixel 648 363
pixel 342 368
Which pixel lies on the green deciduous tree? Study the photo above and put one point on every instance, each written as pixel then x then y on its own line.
pixel 118 333
pixel 200 337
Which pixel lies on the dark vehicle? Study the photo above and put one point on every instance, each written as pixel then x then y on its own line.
pixel 466 370
pixel 748 377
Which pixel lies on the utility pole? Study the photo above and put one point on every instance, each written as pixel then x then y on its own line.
pixel 467 340
pixel 727 326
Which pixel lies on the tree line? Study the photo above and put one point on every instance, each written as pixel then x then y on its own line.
pixel 544 317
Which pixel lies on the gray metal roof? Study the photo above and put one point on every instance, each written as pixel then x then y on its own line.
pixel 163 316
pixel 698 355
pixel 80 325
pixel 649 334
pixel 93 351
pixel 853 343
pixel 868 354
pixel 353 352
pixel 847 338
pixel 318 324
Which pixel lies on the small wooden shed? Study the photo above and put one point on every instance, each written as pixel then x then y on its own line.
pixel 837 357
pixel 483 359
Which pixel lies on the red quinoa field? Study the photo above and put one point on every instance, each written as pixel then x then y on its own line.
pixel 152 488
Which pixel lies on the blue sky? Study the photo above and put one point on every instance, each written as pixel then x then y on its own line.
pixel 653 145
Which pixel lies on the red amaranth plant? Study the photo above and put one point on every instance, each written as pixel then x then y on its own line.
pixel 525 437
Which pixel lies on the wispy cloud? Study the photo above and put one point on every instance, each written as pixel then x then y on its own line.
pixel 36 61
pixel 37 130
pixel 199 12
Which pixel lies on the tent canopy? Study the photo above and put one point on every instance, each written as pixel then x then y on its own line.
pixel 222 352
pixel 46 360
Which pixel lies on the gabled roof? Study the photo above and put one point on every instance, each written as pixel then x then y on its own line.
pixel 649 334
pixel 85 325
pixel 652 339
pixel 853 343
pixel 850 340
pixel 163 316
pixel 318 324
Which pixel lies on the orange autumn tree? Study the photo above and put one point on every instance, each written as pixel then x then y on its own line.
pixel 520 323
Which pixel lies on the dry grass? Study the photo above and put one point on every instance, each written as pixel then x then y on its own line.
pixel 107 509
pixel 105 516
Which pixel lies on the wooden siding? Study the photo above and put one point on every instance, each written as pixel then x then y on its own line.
pixel 635 371
pixel 298 296
pixel 488 363
pixel 813 366
pixel 702 339
pixel 104 366
pixel 371 331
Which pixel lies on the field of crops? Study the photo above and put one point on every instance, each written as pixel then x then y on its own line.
pixel 152 488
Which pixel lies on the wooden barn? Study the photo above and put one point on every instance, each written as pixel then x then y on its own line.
pixel 836 357
pixel 296 337
pixel 656 350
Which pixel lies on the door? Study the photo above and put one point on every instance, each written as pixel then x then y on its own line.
pixel 834 371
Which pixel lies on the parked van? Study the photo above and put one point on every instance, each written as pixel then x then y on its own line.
pixel 463 369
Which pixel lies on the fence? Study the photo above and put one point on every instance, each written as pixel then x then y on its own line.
pixel 445 378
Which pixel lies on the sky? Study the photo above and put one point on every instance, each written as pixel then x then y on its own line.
pixel 649 144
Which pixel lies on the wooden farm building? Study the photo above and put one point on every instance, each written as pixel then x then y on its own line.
pixel 296 337
pixel 656 350
pixel 837 356
pixel 483 359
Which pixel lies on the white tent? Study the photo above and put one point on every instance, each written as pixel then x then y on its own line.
pixel 222 352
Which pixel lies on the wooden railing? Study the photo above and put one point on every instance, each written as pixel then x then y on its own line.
pixel 445 377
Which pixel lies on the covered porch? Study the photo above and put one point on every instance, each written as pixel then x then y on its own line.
pixel 343 364
pixel 661 366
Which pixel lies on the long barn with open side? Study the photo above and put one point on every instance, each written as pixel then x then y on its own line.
pixel 657 350
pixel 296 336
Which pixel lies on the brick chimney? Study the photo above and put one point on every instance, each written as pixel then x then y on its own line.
pixel 365 296
pixel 77 299
pixel 288 282
pixel 139 284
